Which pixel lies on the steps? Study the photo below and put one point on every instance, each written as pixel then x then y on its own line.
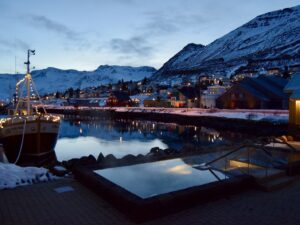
pixel 275 183
pixel 267 179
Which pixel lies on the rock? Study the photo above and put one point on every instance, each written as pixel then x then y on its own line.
pixel 129 159
pixel 160 152
pixel 59 171
pixel 110 158
pixel 154 150
pixel 83 161
pixel 100 158
pixel 70 164
pixel 89 160
pixel 170 151
pixel 140 158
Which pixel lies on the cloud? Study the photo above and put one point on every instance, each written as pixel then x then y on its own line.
pixel 164 23
pixel 158 24
pixel 72 39
pixel 15 44
pixel 56 27
pixel 135 46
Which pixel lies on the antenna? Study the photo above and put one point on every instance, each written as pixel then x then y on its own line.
pixel 29 52
pixel 28 78
pixel 15 64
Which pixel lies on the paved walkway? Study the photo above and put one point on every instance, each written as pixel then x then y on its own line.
pixel 41 204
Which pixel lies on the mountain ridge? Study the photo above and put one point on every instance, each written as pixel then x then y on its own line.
pixel 52 79
pixel 267 39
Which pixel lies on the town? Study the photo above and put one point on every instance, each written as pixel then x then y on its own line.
pixel 245 90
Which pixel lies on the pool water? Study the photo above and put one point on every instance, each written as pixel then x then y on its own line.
pixel 156 178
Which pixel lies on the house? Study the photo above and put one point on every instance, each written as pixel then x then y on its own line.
pixel 164 89
pixel 293 84
pixel 157 100
pixel 87 102
pixel 263 92
pixel 132 87
pixel 116 87
pixel 243 74
pixel 209 96
pixel 294 108
pixel 294 68
pixel 138 100
pixel 189 96
pixel 118 99
pixel 148 88
pixel 2 103
pixel 274 71
pixel 224 81
pixel 293 90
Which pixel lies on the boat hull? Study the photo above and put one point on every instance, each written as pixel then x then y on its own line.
pixel 39 140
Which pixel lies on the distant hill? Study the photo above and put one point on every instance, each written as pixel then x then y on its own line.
pixel 269 40
pixel 52 79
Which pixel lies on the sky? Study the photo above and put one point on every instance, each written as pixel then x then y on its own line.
pixel 82 35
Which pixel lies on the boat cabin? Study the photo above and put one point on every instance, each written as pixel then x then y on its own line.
pixel 20 110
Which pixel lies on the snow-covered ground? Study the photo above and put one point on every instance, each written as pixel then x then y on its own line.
pixel 12 175
pixel 279 116
pixel 267 115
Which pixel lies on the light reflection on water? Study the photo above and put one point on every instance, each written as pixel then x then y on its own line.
pixel 122 137
pixel 67 148
pixel 159 177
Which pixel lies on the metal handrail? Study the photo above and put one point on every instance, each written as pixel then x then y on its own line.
pixel 261 147
pixel 225 155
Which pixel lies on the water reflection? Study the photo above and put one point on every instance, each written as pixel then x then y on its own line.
pixel 159 177
pixel 67 148
pixel 121 137
pixel 179 169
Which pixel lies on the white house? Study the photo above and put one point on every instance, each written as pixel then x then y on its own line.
pixel 209 96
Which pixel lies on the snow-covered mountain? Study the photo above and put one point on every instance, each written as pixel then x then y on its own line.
pixel 51 79
pixel 269 40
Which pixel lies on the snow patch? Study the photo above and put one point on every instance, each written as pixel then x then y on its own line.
pixel 12 175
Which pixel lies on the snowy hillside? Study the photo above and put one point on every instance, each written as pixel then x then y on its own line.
pixel 51 79
pixel 272 39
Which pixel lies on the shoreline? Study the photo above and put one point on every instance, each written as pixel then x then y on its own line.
pixel 250 121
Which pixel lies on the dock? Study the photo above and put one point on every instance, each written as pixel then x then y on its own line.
pixel 66 201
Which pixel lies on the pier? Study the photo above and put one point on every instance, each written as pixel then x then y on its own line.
pixel 42 204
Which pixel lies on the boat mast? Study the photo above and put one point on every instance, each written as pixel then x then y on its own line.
pixel 28 79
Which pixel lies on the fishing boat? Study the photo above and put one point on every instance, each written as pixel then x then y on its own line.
pixel 29 133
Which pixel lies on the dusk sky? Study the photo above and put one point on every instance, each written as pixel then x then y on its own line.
pixel 76 34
